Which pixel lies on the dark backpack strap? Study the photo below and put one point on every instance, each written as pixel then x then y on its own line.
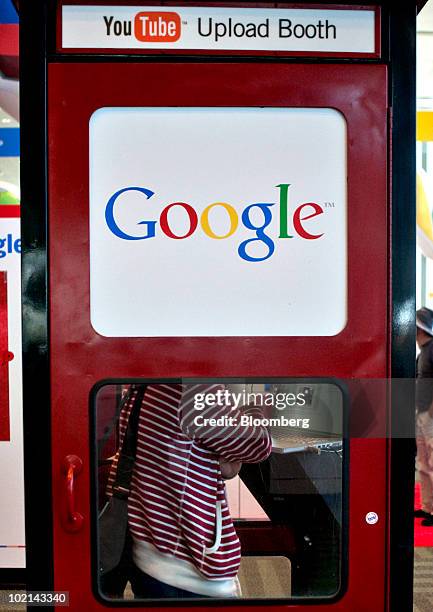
pixel 126 458
pixel 108 432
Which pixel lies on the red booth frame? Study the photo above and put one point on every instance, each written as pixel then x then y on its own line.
pixel 69 282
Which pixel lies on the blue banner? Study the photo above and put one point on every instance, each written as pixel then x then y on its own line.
pixel 9 142
pixel 8 13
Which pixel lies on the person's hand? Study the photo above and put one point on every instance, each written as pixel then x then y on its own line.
pixel 312 449
pixel 229 469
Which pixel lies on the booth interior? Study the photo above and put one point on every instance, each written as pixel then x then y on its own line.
pixel 288 510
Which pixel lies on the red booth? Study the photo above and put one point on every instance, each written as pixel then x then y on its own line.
pixel 219 196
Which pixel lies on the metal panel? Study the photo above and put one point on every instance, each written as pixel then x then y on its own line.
pixel 79 357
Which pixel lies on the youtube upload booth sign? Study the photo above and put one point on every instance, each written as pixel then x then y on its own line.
pixel 216 28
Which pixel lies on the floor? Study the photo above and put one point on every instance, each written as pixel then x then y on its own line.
pixel 423 580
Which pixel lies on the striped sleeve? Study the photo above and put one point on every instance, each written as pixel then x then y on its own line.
pixel 234 434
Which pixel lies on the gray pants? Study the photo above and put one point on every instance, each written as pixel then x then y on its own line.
pixel 424 458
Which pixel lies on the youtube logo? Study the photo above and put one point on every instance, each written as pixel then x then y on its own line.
pixel 152 26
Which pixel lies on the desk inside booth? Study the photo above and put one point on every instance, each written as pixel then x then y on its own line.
pixel 302 497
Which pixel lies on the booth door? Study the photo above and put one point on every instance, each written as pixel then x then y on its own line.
pixel 102 115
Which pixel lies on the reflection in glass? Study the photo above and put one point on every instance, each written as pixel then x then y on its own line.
pixel 219 489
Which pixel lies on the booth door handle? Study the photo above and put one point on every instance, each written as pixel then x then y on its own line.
pixel 72 466
pixel 6 357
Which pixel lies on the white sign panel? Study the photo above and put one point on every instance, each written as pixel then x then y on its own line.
pixel 215 28
pixel 218 222
pixel 12 534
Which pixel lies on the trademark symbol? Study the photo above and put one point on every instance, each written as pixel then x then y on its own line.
pixel 184 23
pixel 329 204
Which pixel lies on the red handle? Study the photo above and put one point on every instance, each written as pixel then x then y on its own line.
pixel 72 466
pixel 6 357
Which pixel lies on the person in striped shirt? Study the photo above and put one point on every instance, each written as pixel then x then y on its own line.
pixel 183 541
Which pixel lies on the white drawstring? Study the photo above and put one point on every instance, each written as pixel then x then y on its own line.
pixel 218 530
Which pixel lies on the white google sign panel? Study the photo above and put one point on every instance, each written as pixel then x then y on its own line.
pixel 218 222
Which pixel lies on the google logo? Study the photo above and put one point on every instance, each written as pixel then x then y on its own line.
pixel 300 215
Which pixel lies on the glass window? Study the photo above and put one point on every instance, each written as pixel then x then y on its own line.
pixel 219 489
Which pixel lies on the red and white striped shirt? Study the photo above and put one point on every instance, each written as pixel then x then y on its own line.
pixel 177 504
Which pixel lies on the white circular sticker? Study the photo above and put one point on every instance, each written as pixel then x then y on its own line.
pixel 371 518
